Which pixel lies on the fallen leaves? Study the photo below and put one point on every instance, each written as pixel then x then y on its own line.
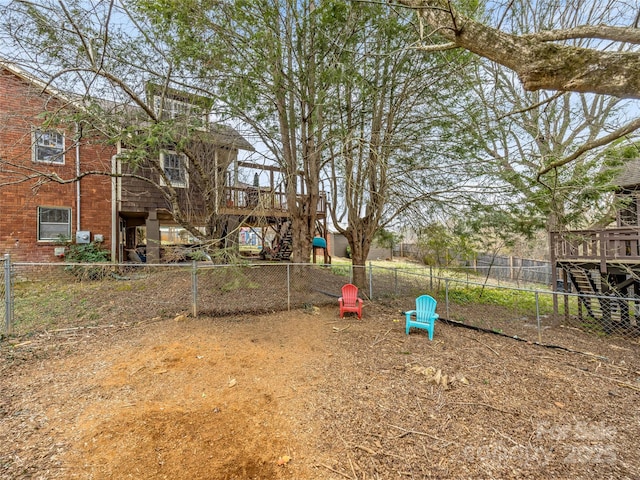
pixel 283 460
pixel 436 376
pixel 310 309
pixel 338 330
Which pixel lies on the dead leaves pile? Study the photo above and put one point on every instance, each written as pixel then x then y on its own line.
pixel 435 376
pixel 310 309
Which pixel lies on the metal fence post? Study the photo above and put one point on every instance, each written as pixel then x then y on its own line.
pixel 446 296
pixel 538 318
pixel 288 287
pixel 370 281
pixel 194 289
pixel 8 296
pixel 395 288
pixel 430 278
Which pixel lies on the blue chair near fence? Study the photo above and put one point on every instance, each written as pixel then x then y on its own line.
pixel 425 315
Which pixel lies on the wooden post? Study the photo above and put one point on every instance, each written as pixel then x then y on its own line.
pixel 511 265
pixel 565 280
pixel 153 237
pixel 604 238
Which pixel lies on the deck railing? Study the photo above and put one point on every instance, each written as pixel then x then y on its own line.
pixel 260 198
pixel 597 245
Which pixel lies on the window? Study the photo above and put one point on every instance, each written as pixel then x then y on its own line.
pixel 174 166
pixel 53 223
pixel 173 109
pixel 48 146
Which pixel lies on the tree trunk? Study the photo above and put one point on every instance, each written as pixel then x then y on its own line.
pixel 301 240
pixel 360 246
pixel 360 275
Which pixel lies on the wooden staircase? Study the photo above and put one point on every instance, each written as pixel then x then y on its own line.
pixel 604 302
pixel 604 267
pixel 283 249
pixel 283 243
pixel 587 286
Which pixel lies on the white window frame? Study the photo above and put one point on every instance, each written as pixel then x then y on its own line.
pixel 65 229
pixel 48 139
pixel 183 168
pixel 177 109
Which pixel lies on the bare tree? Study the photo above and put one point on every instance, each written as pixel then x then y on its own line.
pixel 543 59
pixel 526 135
pixel 569 46
pixel 392 115
pixel 525 132
pixel 103 59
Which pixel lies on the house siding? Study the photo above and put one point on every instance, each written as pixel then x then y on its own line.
pixel 21 106
pixel 138 195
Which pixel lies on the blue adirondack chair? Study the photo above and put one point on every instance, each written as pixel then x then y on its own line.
pixel 425 315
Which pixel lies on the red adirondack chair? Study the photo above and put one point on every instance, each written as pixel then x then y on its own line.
pixel 349 301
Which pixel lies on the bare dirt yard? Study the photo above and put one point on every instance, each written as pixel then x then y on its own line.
pixel 306 395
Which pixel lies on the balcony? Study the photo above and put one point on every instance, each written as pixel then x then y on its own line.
pixel 262 202
pixel 616 245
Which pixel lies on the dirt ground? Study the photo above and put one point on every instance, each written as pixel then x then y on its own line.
pixel 306 395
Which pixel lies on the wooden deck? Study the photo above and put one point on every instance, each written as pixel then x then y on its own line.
pixel 616 245
pixel 262 202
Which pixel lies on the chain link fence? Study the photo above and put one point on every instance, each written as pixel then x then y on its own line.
pixel 509 269
pixel 5 293
pixel 50 296
pixel 63 296
pixel 534 314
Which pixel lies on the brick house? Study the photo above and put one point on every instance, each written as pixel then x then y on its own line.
pixel 45 195
pixel 110 208
pixel 36 212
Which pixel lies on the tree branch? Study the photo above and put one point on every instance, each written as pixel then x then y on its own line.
pixel 539 63
pixel 441 47
pixel 621 132
pixel 601 32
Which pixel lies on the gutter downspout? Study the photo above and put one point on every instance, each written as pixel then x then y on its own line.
pixel 78 177
pixel 116 187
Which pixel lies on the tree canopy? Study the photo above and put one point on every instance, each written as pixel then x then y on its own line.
pixel 340 92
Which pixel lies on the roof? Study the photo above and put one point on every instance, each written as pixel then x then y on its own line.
pixel 28 77
pixel 218 134
pixel 229 137
pixel 629 175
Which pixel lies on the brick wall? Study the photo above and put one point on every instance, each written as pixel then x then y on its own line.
pixel 22 190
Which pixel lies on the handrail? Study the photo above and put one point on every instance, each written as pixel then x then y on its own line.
pixel 597 245
pixel 264 198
